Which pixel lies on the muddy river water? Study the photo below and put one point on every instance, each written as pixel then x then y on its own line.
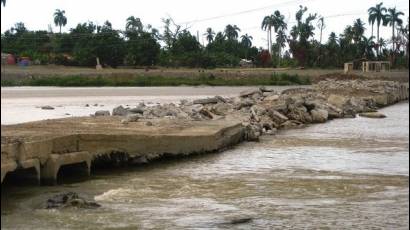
pixel 345 174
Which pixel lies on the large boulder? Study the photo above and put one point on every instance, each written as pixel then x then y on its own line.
pixel 319 115
pixel 277 117
pixel 139 109
pixel 244 103
pixel 102 113
pixel 279 105
pixel 338 100
pixel 222 109
pixel 253 132
pixel 120 111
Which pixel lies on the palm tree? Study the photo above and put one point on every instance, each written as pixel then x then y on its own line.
pixel 358 30
pixel 368 45
pixel 59 18
pixel 279 21
pixel 247 40
pixel 279 25
pixel 133 24
pixel 210 34
pixel 377 13
pixel 321 25
pixel 392 19
pixel 267 24
pixel 348 34
pixel 404 31
pixel 372 20
pixel 232 32
pixel 332 38
pixel 281 42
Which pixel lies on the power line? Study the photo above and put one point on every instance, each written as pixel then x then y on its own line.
pixel 242 12
pixel 328 16
pixel 100 34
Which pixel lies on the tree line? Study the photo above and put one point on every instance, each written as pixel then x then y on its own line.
pixel 175 46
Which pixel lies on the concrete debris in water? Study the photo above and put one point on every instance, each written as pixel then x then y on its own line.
pixel 263 111
pixel 70 199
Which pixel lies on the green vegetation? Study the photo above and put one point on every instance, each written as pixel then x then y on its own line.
pixel 210 80
pixel 142 45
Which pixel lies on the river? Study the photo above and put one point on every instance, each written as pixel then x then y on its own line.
pixel 345 174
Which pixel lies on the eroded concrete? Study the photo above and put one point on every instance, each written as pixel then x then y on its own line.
pixel 49 145
pixel 188 128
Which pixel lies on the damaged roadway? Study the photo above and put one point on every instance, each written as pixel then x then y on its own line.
pixel 145 133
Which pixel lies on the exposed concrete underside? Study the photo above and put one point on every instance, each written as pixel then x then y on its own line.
pixel 49 145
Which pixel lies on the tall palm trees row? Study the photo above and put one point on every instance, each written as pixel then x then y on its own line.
pixel 277 22
pixel 383 16
pixel 231 32
pixel 379 15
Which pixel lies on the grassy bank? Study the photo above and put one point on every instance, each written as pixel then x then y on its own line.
pixel 100 81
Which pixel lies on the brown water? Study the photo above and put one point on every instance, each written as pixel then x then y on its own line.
pixel 345 174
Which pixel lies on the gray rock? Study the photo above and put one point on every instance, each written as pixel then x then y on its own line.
pixel 120 111
pixel 206 113
pixel 338 101
pixel 70 199
pixel 133 117
pixel 221 99
pixel 279 105
pixel 245 103
pixel 183 102
pixel 102 113
pixel 221 109
pixel 248 93
pixel 319 115
pixel 138 109
pixel 278 117
pixel 252 132
pixel 192 109
pixel 263 89
pixel 271 98
pixel 47 107
pixel 372 115
pixel 291 124
pixel 212 100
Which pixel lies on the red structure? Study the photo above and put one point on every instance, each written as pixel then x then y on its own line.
pixel 11 60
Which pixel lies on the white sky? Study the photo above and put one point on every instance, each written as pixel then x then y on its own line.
pixel 38 15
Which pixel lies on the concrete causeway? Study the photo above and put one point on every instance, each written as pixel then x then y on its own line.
pixel 202 126
pixel 46 146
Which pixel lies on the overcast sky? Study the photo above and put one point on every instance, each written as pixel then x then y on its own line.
pixel 37 15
